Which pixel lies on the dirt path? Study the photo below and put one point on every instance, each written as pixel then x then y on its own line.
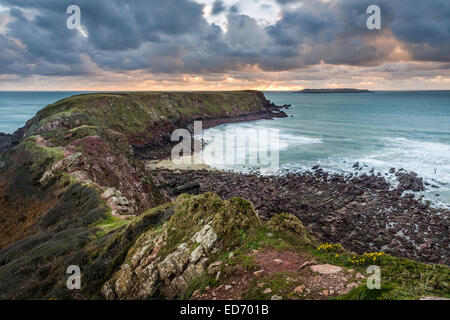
pixel 283 275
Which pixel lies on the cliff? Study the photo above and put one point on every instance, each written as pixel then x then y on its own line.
pixel 73 192
pixel 89 139
pixel 143 117
pixel 73 166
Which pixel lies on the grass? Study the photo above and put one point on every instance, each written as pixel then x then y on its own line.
pixel 266 237
pixel 136 114
pixel 245 262
pixel 277 284
pixel 229 219
pixel 109 224
pixel 200 284
pixel 401 278
pixel 41 152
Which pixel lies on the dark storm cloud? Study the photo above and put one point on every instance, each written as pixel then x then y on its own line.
pixel 44 38
pixel 314 22
pixel 425 27
pixel 218 7
pixel 173 36
pixel 13 58
pixel 119 31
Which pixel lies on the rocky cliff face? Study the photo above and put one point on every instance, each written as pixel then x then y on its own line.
pixel 163 262
pixel 73 167
pixel 89 139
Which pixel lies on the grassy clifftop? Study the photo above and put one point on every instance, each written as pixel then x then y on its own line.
pixel 142 116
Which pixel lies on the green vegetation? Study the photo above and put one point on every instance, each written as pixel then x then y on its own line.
pixel 227 218
pixel 277 284
pixel 331 247
pixel 62 218
pixel 110 224
pixel 401 278
pixel 41 154
pixel 200 284
pixel 58 221
pixel 279 233
pixel 138 115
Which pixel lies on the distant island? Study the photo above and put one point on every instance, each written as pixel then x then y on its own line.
pixel 342 90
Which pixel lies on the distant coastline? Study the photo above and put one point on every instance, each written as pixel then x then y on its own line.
pixel 342 90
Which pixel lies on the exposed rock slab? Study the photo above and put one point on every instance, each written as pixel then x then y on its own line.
pixel 152 270
pixel 326 269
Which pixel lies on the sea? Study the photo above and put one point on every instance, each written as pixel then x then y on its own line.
pixel 403 130
pixel 380 131
pixel 17 107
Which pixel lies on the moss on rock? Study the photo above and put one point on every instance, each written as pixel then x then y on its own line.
pixel 227 218
pixel 163 262
pixel 288 223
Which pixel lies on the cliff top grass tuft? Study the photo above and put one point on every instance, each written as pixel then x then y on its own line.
pixel 290 224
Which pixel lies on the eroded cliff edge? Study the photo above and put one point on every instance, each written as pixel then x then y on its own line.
pixel 73 167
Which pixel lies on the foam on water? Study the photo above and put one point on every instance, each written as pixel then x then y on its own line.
pixel 430 160
pixel 408 130
pixel 251 142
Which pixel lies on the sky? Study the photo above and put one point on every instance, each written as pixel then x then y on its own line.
pixel 224 45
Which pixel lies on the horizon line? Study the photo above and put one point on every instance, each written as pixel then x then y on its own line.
pixel 99 91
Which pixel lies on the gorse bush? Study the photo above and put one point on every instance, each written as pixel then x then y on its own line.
pixel 331 247
pixel 368 258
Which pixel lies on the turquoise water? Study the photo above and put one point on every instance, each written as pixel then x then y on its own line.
pixel 409 130
pixel 16 108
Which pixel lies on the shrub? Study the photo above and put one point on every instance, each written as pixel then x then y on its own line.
pixel 331 247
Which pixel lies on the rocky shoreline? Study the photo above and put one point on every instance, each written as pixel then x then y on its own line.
pixel 363 213
pixel 5 142
pixel 161 148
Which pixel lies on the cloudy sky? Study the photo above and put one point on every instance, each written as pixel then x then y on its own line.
pixel 224 44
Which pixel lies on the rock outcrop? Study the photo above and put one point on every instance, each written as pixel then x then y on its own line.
pixel 6 141
pixel 409 181
pixel 165 261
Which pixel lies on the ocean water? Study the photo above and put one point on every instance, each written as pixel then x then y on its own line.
pixel 17 107
pixel 409 130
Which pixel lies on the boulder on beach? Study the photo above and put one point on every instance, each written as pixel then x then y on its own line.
pixel 409 181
